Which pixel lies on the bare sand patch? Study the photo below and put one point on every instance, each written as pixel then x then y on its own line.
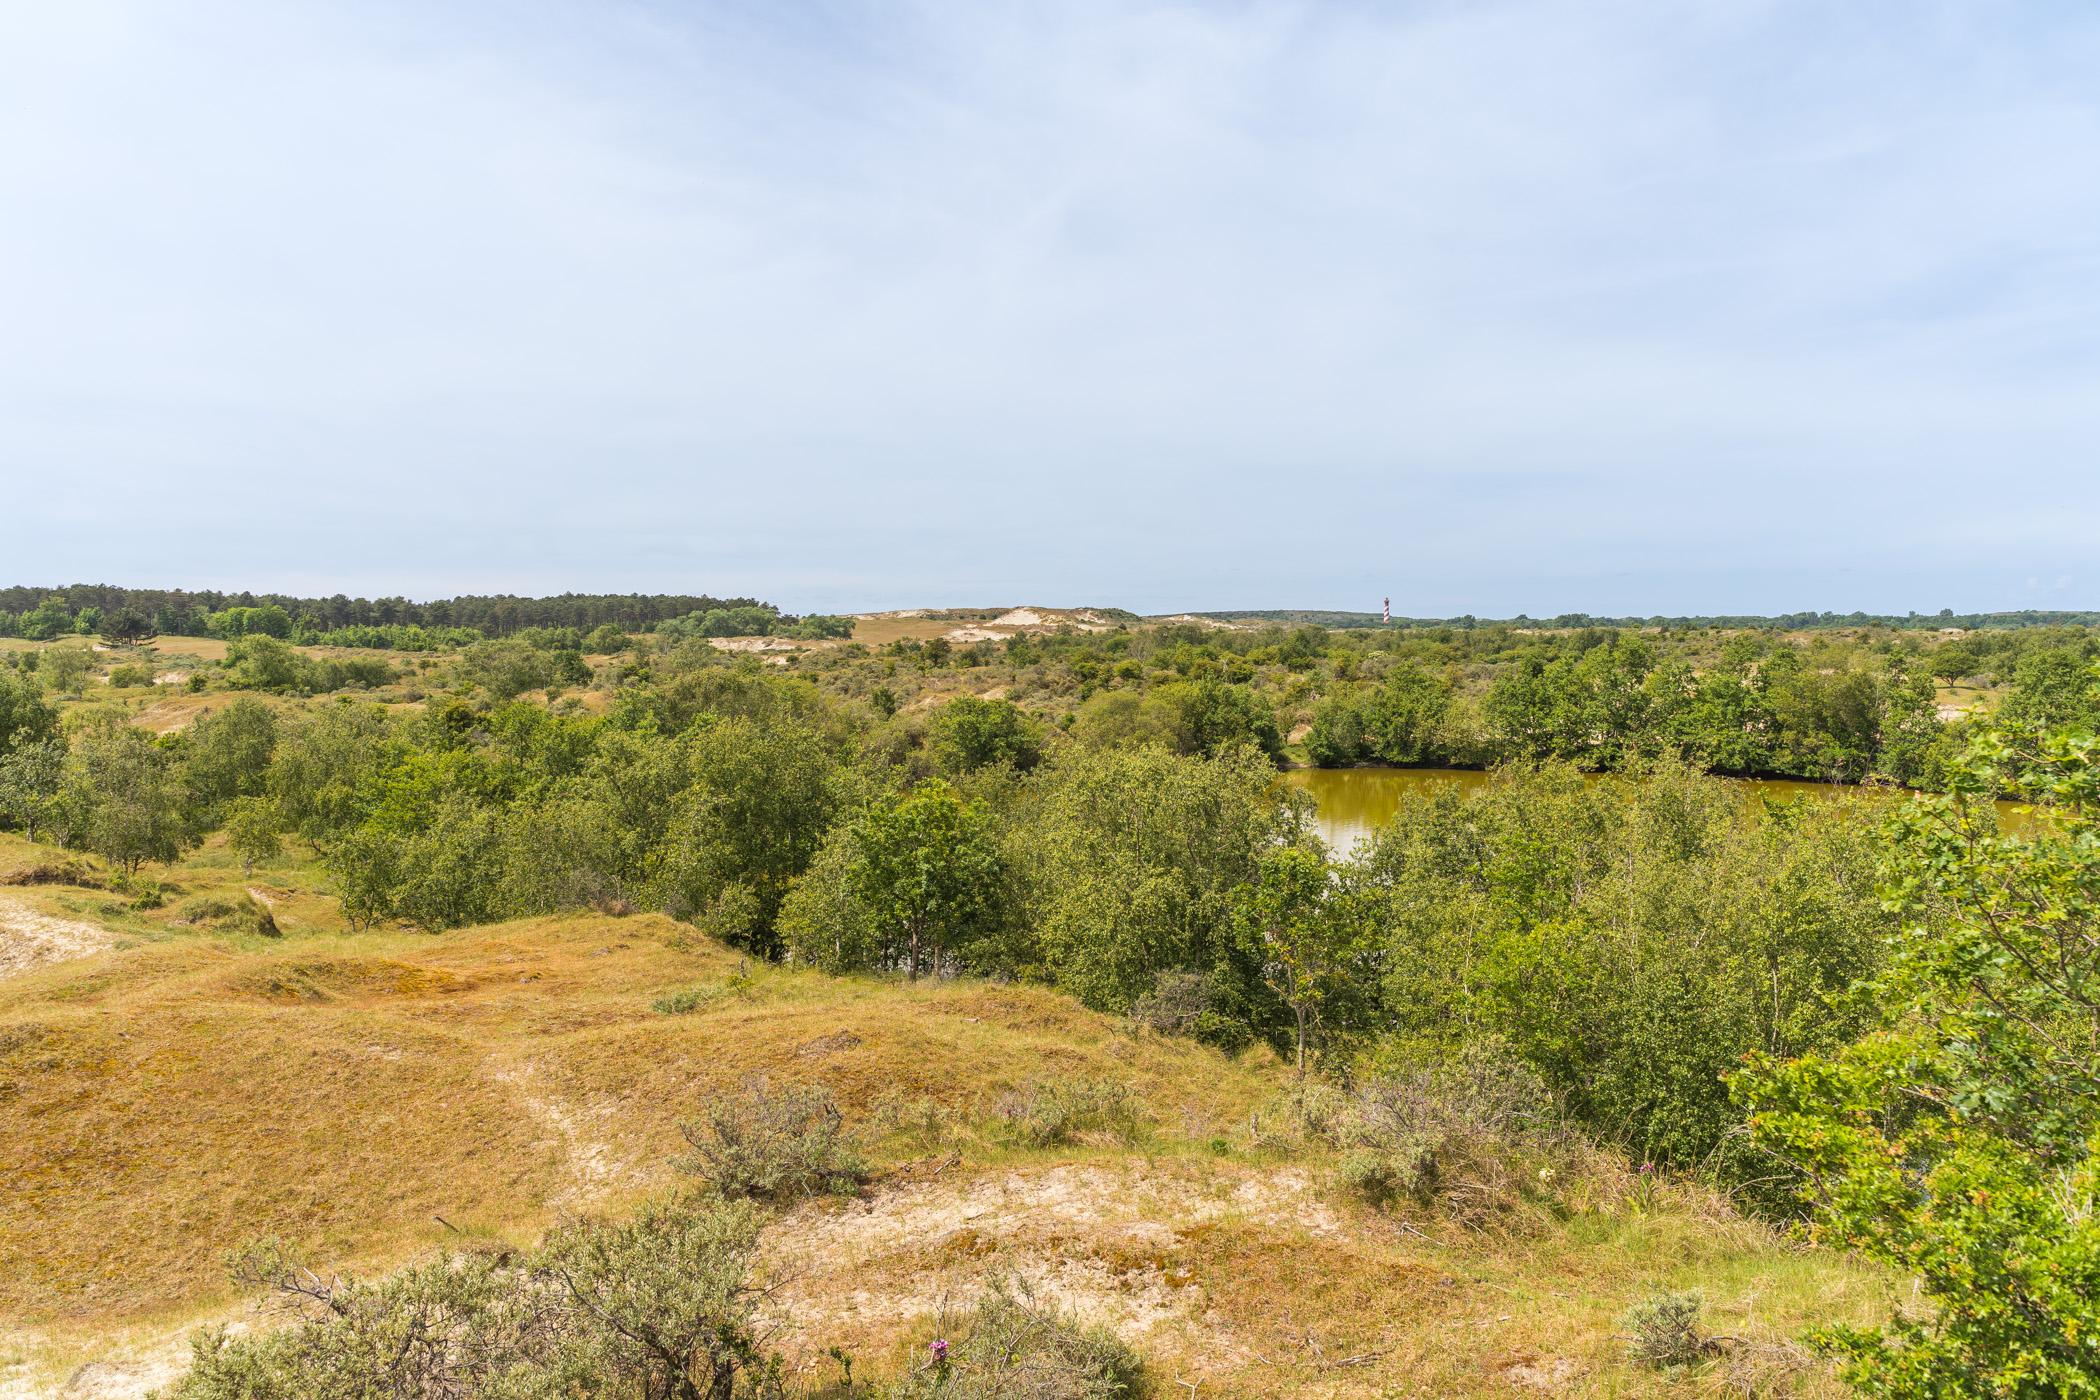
pixel 31 938
pixel 751 644
pixel 1099 1241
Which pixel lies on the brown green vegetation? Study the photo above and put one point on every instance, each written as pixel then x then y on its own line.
pixel 460 940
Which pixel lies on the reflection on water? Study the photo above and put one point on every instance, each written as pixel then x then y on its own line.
pixel 1354 802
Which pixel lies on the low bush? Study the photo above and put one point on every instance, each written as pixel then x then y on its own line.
pixel 685 1001
pixel 918 1119
pixel 1011 1346
pixel 54 872
pixel 660 1305
pixel 774 1144
pixel 141 894
pixel 1472 1137
pixel 241 913
pixel 1664 1331
pixel 1048 1112
pixel 1176 1005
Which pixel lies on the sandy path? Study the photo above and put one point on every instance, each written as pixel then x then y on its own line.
pixel 30 938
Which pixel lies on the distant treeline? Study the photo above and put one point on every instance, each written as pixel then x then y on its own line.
pixel 33 611
pixel 1791 622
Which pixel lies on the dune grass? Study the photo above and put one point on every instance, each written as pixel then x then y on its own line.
pixel 371 1094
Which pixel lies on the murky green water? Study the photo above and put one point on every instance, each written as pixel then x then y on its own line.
pixel 1354 802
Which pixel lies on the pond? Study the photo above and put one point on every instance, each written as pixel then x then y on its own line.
pixel 1355 802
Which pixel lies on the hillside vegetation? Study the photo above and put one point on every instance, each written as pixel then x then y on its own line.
pixel 368 1095
pixel 443 967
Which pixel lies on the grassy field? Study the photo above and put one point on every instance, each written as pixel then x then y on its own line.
pixel 369 1094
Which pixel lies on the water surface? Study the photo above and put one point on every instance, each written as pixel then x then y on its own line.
pixel 1355 802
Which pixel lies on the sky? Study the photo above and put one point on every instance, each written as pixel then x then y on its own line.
pixel 1489 306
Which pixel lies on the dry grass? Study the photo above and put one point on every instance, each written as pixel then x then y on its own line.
pixel 160 1102
pixel 185 1089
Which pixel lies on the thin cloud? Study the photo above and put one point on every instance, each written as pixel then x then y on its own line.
pixel 1619 307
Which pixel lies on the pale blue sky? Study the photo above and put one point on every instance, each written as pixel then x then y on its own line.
pixel 1677 306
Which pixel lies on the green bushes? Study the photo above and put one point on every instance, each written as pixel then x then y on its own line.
pixel 914 884
pixel 1664 1331
pixel 773 1144
pixel 661 1305
pixel 238 914
pixel 1956 1137
pixel 1631 939
pixel 1013 1346
pixel 1130 861
pixel 1472 1136
pixel 259 661
pixel 969 734
pixel 1050 1112
pixel 1607 700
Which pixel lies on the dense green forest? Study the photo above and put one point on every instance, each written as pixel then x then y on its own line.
pixel 46 612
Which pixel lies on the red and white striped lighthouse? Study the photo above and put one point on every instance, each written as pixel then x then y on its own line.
pixel 1388 614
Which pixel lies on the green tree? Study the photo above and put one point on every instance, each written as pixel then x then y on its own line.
pixel 969 733
pixel 269 620
pixel 122 798
pixel 65 668
pixel 762 794
pixel 1338 737
pixel 928 872
pixel 2053 686
pixel 321 766
pixel 1132 858
pixel 1910 744
pixel 48 619
pixel 128 627
pixel 1127 719
pixel 604 640
pixel 261 662
pixel 507 669
pixel 1216 716
pixel 1630 937
pixel 254 830
pixel 31 775
pixel 1297 926
pixel 25 718
pixel 226 754
pixel 1403 723
pixel 1959 1140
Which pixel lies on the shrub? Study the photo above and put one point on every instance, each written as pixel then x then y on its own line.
pixel 773 1144
pixel 684 1003
pixel 1052 1111
pixel 735 915
pixel 145 894
pixel 65 871
pixel 230 914
pixel 1958 1142
pixel 1664 1330
pixel 1013 1347
pixel 660 1305
pixel 1472 1136
pixel 131 675
pixel 917 1118
pixel 1176 1005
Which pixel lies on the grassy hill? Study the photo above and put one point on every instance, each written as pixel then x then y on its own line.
pixel 369 1094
